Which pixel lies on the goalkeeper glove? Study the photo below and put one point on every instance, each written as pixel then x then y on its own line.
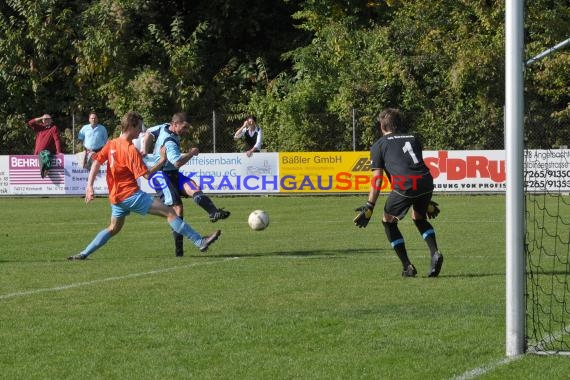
pixel 364 214
pixel 432 210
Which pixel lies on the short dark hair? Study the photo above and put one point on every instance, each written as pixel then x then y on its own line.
pixel 391 120
pixel 180 117
pixel 130 119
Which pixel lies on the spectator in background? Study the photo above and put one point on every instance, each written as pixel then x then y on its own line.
pixel 47 141
pixel 93 136
pixel 251 133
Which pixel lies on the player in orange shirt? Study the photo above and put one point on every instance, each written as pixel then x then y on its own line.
pixel 124 166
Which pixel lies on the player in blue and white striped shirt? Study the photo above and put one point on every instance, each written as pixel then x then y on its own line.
pixel 175 187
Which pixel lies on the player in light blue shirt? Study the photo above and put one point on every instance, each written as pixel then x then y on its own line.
pixel 93 136
pixel 175 187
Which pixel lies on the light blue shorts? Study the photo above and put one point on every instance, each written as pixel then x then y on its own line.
pixel 139 202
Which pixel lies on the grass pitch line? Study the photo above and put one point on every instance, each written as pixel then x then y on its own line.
pixel 109 279
pixel 472 374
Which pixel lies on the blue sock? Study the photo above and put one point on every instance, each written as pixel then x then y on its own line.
pixel 99 241
pixel 183 228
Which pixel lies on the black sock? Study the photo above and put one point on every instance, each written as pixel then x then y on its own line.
pixel 178 243
pixel 428 234
pixel 205 202
pixel 397 242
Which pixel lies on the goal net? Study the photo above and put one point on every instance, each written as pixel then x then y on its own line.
pixel 547 237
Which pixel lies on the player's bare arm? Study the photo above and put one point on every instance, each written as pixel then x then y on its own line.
pixel 186 157
pixel 158 165
pixel 377 177
pixel 89 192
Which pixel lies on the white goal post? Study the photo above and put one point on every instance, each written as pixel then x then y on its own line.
pixel 515 187
pixel 514 129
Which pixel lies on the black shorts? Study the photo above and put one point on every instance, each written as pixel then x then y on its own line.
pixel 171 190
pixel 398 204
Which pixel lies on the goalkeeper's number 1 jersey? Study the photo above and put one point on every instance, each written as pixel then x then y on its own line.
pixel 400 155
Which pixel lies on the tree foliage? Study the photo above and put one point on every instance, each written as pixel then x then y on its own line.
pixel 310 70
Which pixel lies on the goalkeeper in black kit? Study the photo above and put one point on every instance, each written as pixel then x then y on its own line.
pixel 397 156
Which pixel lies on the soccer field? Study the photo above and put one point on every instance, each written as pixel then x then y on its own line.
pixel 311 297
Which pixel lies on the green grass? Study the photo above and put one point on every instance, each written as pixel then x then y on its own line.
pixel 311 297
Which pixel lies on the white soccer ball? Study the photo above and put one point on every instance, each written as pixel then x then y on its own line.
pixel 258 220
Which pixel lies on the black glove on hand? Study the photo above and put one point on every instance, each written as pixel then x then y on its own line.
pixel 432 210
pixel 364 214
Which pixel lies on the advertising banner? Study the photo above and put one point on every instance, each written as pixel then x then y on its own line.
pixel 466 170
pixel 20 175
pixel 336 172
pixel 4 176
pixel 25 179
pixel 233 173
pixel 547 170
pixel 477 171
pixel 324 172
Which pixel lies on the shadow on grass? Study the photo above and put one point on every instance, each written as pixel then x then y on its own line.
pixel 51 260
pixel 471 275
pixel 324 253
pixel 318 253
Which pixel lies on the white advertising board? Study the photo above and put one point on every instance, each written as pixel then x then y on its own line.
pixel 477 171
